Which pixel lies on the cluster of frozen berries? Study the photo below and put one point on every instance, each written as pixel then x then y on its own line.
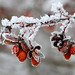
pixel 22 55
pixel 64 45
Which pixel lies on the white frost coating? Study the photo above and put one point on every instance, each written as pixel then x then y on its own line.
pixel 34 43
pixel 21 19
pixel 72 20
pixel 58 44
pixel 73 15
pixel 39 53
pixel 5 22
pixel 16 26
pixel 64 24
pixel 56 16
pixel 34 34
pixel 56 6
pixel 14 19
pixel 9 36
pixel 27 19
pixel 30 32
pixel 67 37
pixel 36 57
pixel 44 19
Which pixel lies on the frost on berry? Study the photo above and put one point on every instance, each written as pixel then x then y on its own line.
pixel 22 55
pixel 15 49
pixel 28 28
pixel 34 62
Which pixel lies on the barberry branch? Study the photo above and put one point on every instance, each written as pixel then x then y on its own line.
pixel 24 43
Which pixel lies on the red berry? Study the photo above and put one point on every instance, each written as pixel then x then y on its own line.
pixel 15 49
pixel 72 50
pixel 34 62
pixel 22 55
pixel 58 49
pixel 67 56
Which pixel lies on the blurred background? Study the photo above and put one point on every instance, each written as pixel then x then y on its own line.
pixel 54 62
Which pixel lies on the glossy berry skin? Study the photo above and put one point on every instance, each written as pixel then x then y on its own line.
pixel 15 49
pixel 67 56
pixel 34 62
pixel 72 50
pixel 22 55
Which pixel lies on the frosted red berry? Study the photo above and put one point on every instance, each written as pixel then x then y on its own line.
pixel 34 62
pixel 72 50
pixel 22 55
pixel 15 49
pixel 67 56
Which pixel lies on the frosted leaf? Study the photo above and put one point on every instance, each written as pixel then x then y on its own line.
pixel 34 44
pixel 10 37
pixel 39 53
pixel 35 56
pixel 51 42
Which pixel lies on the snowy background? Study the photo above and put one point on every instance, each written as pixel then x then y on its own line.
pixel 54 63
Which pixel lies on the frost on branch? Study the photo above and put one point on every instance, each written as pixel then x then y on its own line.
pixel 59 39
pixel 24 43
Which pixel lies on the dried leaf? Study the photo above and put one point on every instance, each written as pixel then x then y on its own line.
pixel 10 37
pixel 10 42
pixel 24 46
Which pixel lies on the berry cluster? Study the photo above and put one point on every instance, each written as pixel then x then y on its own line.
pixel 22 51
pixel 64 45
pixel 21 55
